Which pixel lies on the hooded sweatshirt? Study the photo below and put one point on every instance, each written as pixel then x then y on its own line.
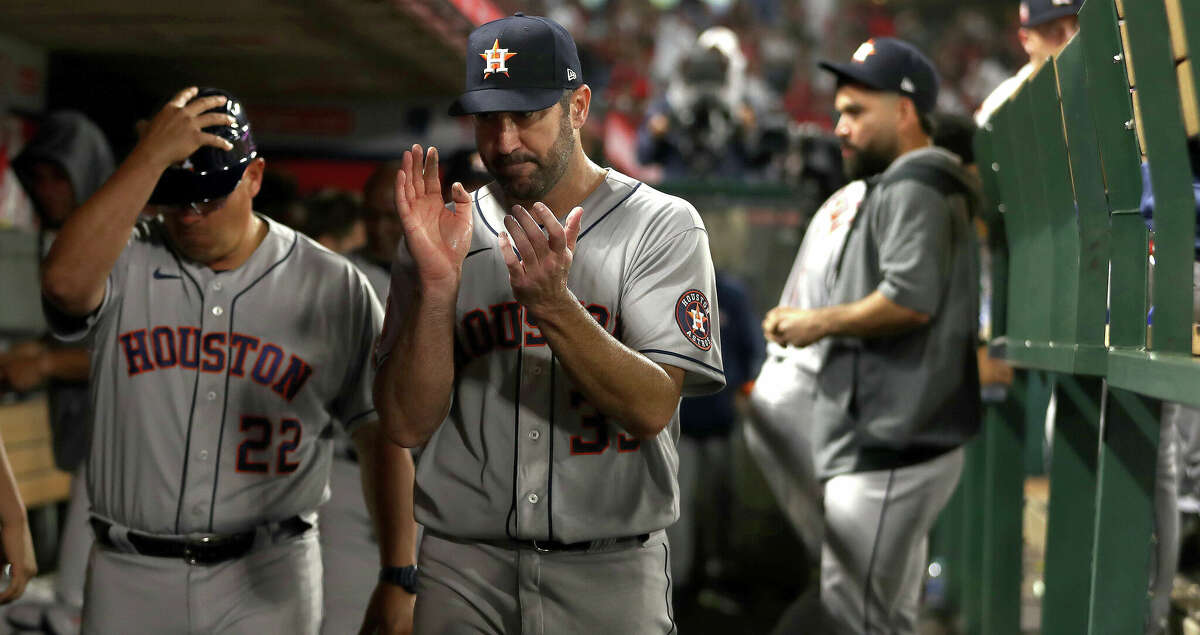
pixel 71 140
pixel 889 401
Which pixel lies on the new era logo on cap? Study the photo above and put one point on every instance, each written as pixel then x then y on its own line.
pixel 907 85
pixel 571 74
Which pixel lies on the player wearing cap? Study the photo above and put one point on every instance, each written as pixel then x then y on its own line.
pixel 542 369
pixel 897 392
pixel 225 346
pixel 1046 27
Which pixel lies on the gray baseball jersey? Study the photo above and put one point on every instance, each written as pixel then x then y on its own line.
pixel 522 453
pixel 214 392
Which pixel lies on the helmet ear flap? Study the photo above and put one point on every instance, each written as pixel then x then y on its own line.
pixel 210 173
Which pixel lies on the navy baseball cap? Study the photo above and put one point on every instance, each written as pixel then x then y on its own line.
pixel 1038 12
pixel 521 63
pixel 891 65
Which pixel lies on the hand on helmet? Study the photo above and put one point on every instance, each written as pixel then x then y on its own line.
pixel 178 129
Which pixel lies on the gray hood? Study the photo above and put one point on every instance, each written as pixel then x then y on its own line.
pixel 942 160
pixel 71 140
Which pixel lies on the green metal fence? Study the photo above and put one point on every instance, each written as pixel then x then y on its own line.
pixel 1061 167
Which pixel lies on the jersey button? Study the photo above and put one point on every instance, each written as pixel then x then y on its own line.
pixel 217 311
pixel 533 499
pixel 537 370
pixel 211 395
pixel 203 455
pixel 198 510
pixel 534 435
pixel 216 286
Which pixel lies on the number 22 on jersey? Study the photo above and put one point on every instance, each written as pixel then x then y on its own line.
pixel 254 455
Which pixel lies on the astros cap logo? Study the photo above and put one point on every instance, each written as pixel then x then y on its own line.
pixel 865 50
pixel 494 60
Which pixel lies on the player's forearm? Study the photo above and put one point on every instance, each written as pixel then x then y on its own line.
pixel 637 394
pixel 387 480
pixel 12 509
pixel 413 387
pixel 94 235
pixel 872 316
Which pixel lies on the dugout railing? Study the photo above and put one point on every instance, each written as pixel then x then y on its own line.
pixel 1073 270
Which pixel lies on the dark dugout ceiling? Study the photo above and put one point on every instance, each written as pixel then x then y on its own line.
pixel 264 49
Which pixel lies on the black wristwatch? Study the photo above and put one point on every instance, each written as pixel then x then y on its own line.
pixel 403 577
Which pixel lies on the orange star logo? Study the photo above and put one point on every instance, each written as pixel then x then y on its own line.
pixel 494 59
pixel 865 50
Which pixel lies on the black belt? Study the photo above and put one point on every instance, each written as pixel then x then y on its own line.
pixel 210 549
pixel 554 546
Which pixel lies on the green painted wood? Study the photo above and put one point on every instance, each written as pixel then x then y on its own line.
pixel 1071 523
pixel 1124 513
pixel 1092 205
pixel 997 240
pixel 1170 175
pixel 1037 228
pixel 975 493
pixel 1021 266
pixel 1160 375
pixel 1130 246
pixel 1058 204
pixel 1108 92
pixel 1004 486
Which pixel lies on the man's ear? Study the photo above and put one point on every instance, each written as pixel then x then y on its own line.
pixel 253 175
pixel 581 102
pixel 910 117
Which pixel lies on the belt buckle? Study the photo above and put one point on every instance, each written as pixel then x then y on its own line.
pixel 192 550
pixel 538 548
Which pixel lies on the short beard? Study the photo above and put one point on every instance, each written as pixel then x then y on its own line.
pixel 535 187
pixel 867 161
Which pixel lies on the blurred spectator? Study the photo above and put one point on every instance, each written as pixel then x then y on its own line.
pixel 66 161
pixel 1046 27
pixel 703 124
pixel 334 218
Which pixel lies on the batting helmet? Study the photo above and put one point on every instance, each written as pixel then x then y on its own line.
pixel 210 173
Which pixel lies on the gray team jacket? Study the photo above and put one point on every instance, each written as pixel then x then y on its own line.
pixel 890 401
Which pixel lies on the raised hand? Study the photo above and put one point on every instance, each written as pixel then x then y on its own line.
pixel 539 275
pixel 178 129
pixel 437 238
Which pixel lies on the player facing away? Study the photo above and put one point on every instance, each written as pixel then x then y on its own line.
pixel 224 347
pixel 542 369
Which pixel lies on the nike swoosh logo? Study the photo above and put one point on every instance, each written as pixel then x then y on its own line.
pixel 159 275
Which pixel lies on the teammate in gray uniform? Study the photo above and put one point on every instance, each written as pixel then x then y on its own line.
pixel 897 393
pixel 778 435
pixel 225 346
pixel 544 386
